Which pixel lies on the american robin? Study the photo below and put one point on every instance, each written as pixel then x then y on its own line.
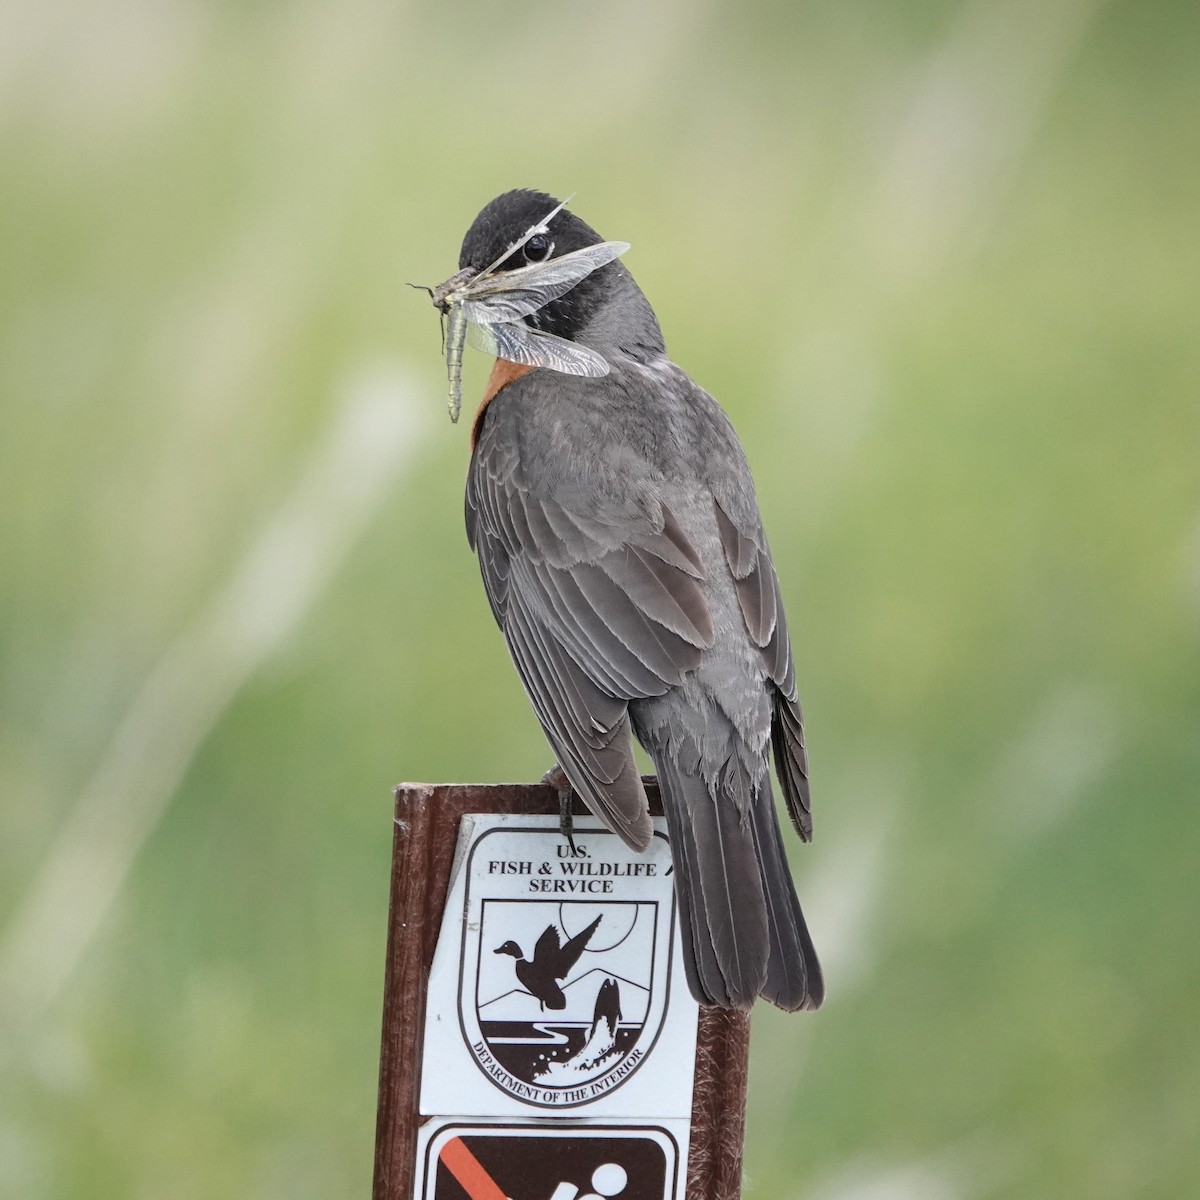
pixel 622 551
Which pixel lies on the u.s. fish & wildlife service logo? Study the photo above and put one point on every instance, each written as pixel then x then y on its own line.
pixel 566 960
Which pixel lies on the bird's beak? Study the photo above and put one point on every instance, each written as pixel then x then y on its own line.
pixel 447 289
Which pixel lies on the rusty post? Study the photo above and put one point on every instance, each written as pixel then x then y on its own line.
pixel 426 829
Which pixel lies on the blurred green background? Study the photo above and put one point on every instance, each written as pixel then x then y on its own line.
pixel 939 260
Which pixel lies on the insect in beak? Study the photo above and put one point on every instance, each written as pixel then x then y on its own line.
pixel 448 299
pixel 445 294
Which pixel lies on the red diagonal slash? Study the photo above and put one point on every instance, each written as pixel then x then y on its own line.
pixel 469 1172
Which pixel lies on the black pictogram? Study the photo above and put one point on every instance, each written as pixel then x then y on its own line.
pixel 550 963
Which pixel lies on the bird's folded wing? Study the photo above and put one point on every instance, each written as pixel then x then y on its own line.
pixel 757 587
pixel 598 608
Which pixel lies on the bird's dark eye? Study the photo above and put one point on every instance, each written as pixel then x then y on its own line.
pixel 538 248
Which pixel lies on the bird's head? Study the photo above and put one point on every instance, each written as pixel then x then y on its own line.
pixel 521 229
pixel 509 948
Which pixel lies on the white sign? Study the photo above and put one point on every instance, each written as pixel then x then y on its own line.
pixel 557 984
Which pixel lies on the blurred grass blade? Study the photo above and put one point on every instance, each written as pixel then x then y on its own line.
pixel 372 441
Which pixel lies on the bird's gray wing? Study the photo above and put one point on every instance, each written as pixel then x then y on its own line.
pixel 601 602
pixel 757 586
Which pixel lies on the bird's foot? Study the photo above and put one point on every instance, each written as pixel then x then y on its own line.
pixel 556 777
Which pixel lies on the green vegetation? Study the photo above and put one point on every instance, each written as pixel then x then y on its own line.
pixel 939 261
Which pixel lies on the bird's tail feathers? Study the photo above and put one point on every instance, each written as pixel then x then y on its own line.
pixel 794 979
pixel 723 916
pixel 743 932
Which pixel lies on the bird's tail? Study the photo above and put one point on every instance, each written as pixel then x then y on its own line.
pixel 743 932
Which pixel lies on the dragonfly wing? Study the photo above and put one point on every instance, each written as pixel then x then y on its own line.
pixel 510 295
pixel 530 347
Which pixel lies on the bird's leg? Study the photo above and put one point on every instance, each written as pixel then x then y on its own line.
pixel 556 777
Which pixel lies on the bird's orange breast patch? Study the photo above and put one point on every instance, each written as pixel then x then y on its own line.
pixel 503 373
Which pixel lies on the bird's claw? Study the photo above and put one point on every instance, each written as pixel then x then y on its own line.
pixel 556 777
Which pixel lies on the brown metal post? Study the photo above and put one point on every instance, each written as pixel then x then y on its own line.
pixel 426 830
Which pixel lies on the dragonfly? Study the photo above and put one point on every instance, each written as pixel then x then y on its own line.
pixel 487 310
